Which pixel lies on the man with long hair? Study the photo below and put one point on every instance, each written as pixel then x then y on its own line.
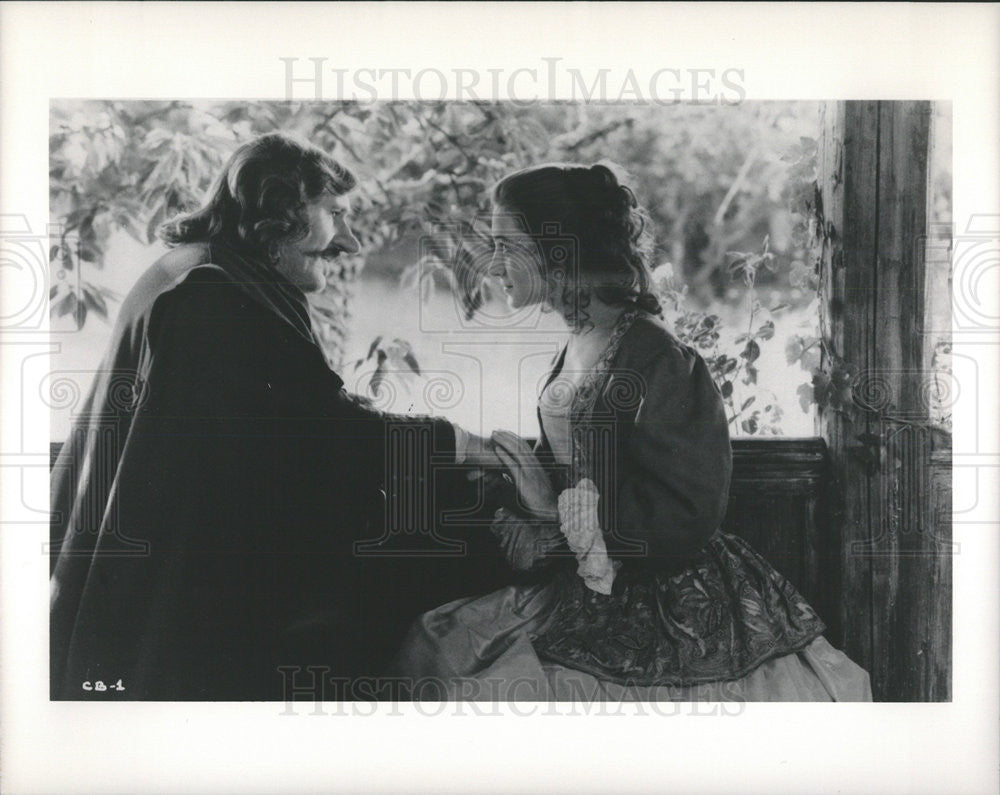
pixel 207 503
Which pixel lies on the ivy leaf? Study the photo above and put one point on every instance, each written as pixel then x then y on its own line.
pixel 841 377
pixel 127 222
pixel 727 389
pixel 793 349
pixel 95 301
pixel 821 389
pixel 87 240
pixel 751 352
pixel 373 347
pixel 377 378
pixel 806 397
pixel 810 360
pixel 401 354
pixel 766 331
pixel 81 314
pixel 410 274
pixel 410 360
pixel 66 306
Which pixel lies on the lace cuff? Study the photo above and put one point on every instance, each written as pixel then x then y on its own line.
pixel 579 524
pixel 526 543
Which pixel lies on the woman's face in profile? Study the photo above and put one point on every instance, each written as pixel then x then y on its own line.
pixel 517 263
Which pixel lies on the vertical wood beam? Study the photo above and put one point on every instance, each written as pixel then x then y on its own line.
pixel 848 168
pixel 895 560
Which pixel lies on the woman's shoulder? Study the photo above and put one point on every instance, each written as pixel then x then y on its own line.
pixel 649 342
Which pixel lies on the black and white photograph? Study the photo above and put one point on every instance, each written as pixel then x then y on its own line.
pixel 292 469
pixel 540 391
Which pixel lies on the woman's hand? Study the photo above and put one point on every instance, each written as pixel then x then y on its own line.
pixel 481 452
pixel 532 482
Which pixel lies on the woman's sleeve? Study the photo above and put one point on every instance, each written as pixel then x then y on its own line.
pixel 673 485
pixel 527 544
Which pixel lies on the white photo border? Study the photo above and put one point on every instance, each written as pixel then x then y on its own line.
pixel 207 50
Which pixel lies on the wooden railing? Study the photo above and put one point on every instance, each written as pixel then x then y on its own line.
pixel 778 503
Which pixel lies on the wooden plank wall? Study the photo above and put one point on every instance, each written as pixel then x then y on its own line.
pixel 777 502
pixel 890 494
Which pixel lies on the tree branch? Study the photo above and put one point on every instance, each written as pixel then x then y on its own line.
pixel 741 177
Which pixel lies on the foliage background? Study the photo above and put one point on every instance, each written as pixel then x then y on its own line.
pixel 728 188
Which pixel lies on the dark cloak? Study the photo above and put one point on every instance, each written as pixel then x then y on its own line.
pixel 207 503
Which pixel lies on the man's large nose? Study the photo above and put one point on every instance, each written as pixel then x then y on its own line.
pixel 346 240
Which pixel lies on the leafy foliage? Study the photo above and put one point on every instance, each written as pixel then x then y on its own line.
pixel 395 357
pixel 752 408
pixel 716 180
pixel 122 166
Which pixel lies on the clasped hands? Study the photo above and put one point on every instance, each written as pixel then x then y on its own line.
pixel 510 452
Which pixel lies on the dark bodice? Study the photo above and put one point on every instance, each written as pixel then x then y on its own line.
pixel 689 604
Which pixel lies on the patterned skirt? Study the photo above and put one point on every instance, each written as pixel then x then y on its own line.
pixel 727 627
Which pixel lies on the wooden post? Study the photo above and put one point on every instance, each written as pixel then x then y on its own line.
pixel 886 458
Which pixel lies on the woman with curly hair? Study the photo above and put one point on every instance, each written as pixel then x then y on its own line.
pixel 629 590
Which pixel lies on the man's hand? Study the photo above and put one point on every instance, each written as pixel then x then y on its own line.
pixel 481 452
pixel 532 482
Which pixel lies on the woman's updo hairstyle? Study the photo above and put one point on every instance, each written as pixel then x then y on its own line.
pixel 589 210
